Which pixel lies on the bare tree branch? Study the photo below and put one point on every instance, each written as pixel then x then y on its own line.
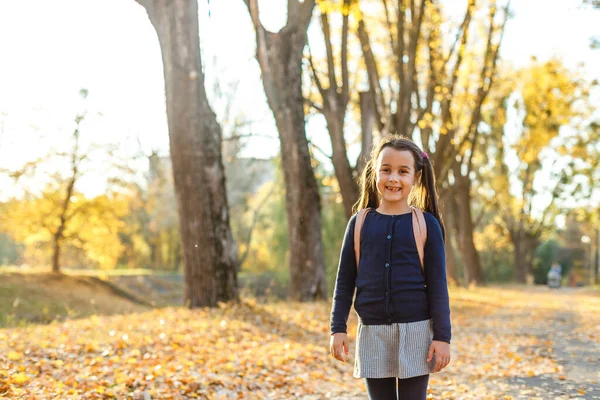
pixel 433 83
pixel 261 33
pixel 409 78
pixel 400 64
pixel 314 105
pixel 344 53
pixel 445 148
pixel 329 50
pixel 314 74
pixel 487 78
pixel 390 30
pixel 373 75
pixel 255 215
pixel 247 135
pixel 311 143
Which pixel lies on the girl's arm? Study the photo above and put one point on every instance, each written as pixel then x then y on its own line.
pixel 345 281
pixel 435 278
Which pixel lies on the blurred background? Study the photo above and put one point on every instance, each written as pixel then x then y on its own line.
pixel 502 95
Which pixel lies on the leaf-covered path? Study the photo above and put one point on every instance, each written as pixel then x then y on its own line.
pixel 532 343
pixel 509 343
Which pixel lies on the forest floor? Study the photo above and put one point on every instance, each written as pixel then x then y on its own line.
pixel 509 342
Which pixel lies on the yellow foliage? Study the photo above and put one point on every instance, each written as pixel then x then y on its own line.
pixel 327 6
pixel 90 226
pixel 492 238
pixel 338 6
pixel 549 91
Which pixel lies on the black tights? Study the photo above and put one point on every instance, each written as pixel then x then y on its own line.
pixel 408 389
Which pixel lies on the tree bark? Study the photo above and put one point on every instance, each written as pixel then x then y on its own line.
pixel 367 121
pixel 341 164
pixel 56 255
pixel 280 58
pixel 195 146
pixel 525 244
pixel 450 223
pixel 335 99
pixel 466 244
pixel 520 264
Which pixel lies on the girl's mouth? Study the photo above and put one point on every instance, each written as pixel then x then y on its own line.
pixel 393 189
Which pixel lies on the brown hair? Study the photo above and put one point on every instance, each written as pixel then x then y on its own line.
pixel 423 194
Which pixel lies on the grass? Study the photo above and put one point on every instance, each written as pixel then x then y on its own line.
pixel 35 295
pixel 85 272
pixel 46 297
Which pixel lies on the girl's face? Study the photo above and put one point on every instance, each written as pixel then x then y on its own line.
pixel 395 175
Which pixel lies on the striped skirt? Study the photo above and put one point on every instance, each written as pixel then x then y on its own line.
pixel 396 350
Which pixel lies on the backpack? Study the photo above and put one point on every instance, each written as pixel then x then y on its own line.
pixel 419 230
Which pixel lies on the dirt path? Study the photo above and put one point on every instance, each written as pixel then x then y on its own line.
pixel 558 358
pixel 579 356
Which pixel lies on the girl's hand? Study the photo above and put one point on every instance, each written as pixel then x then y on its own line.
pixel 442 354
pixel 338 346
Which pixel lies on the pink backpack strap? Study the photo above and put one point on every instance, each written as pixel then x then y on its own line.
pixel 420 232
pixel 360 219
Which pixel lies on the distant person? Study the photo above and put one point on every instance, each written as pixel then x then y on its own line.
pixel 554 275
pixel 402 300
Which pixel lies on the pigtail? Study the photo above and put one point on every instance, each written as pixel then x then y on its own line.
pixel 426 196
pixel 368 190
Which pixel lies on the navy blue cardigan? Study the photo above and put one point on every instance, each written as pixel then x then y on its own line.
pixel 390 285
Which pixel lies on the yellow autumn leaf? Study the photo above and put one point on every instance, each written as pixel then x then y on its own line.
pixel 20 379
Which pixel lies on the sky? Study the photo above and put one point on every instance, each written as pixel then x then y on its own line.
pixel 52 49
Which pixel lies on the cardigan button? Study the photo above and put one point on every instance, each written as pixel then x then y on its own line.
pixel 389 236
pixel 387 265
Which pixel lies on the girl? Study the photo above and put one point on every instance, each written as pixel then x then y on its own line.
pixel 404 314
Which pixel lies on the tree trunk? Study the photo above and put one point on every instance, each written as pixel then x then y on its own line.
pixel 280 58
pixel 469 254
pixel 63 218
pixel 520 256
pixel 153 254
pixel 449 221
pixel 597 257
pixel 367 121
pixel 335 101
pixel 525 245
pixel 451 264
pixel 341 165
pixel 194 138
pixel 56 255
